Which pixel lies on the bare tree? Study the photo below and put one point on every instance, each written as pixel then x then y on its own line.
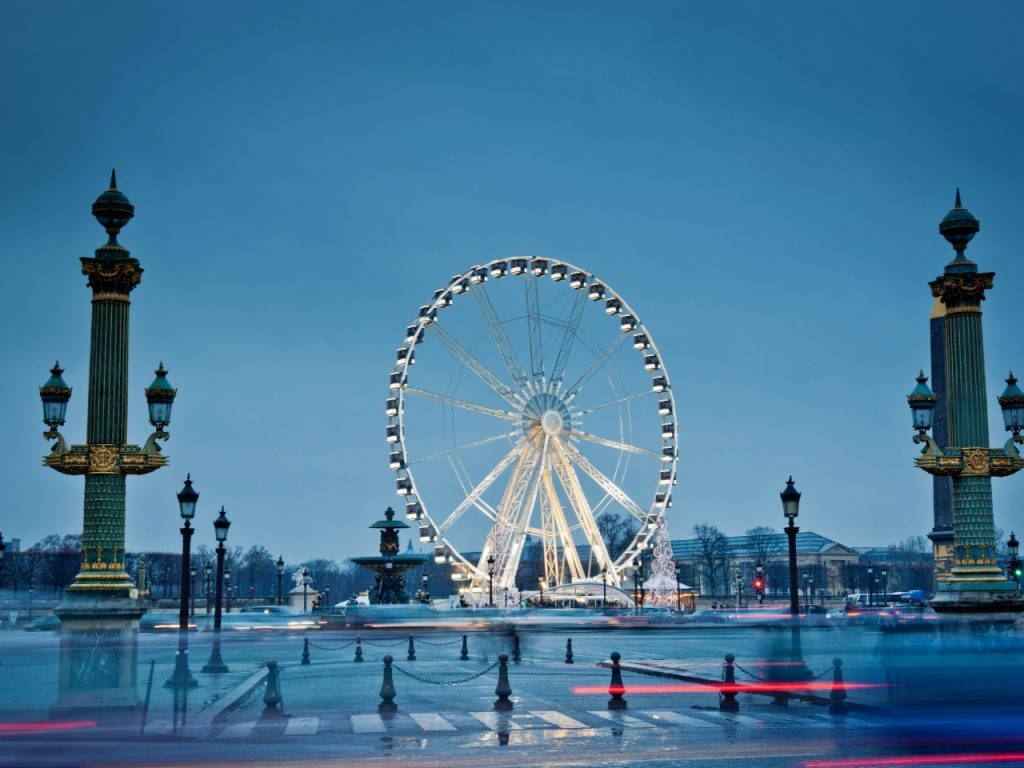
pixel 714 555
pixel 617 529
pixel 912 566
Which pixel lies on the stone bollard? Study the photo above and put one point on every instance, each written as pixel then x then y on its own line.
pixel 516 655
pixel 616 688
pixel 464 654
pixel 305 650
pixel 727 694
pixel 387 689
pixel 838 705
pixel 568 651
pixel 411 655
pixel 359 649
pixel 272 697
pixel 503 690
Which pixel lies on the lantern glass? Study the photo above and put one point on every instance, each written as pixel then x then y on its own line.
pixel 280 565
pixel 221 525
pixel 187 498
pixel 790 500
pixel 923 413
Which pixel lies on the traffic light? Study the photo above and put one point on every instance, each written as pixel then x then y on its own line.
pixel 758 585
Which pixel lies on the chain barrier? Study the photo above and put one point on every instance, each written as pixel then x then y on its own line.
pixel 403 641
pixel 752 676
pixel 446 682
pixel 338 648
pixel 450 642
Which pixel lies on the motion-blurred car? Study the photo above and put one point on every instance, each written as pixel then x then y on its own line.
pixel 43 624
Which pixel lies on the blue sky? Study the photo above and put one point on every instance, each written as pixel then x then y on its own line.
pixel 761 182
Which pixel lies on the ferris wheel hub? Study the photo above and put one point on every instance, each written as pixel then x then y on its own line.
pixel 551 422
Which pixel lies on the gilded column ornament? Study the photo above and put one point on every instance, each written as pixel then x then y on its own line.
pixel 975 583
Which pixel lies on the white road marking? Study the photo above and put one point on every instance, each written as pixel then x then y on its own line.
pixel 676 718
pixel 496 721
pixel 302 726
pixel 368 724
pixel 616 717
pixel 431 721
pixel 559 719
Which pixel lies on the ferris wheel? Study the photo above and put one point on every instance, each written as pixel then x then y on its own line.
pixel 540 417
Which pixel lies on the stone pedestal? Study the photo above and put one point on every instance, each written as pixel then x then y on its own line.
pixel 981 603
pixel 99 649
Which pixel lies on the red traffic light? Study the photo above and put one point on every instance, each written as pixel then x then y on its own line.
pixel 758 583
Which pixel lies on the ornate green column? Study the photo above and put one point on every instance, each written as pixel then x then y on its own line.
pixel 100 612
pixel 976 583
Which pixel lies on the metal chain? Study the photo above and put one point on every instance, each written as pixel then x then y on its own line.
pixel 750 674
pixel 325 648
pixel 450 642
pixel 445 682
pixel 386 645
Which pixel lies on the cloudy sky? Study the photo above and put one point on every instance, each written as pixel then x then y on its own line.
pixel 760 181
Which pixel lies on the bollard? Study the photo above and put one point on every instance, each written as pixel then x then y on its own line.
pixel 305 650
pixel 411 656
pixel 516 655
pixel 464 654
pixel 568 651
pixel 838 705
pixel 616 688
pixel 727 693
pixel 387 689
pixel 503 690
pixel 359 649
pixel 272 696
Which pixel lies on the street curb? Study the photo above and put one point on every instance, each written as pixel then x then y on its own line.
pixel 232 700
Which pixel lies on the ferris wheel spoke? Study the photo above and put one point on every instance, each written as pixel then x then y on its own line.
pixel 473 363
pixel 498 335
pixel 614 444
pixel 560 530
pixel 620 401
pixel 578 501
pixel 533 321
pixel 466 447
pixel 462 477
pixel 609 487
pixel 597 365
pixel 568 337
pixel 483 485
pixel 507 557
pixel 496 412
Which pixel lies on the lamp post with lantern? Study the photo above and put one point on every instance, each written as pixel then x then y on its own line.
pixel 220 529
pixel 542 582
pixel 490 581
pixel 207 570
pixel 797 669
pixel 305 589
pixel 975 585
pixel 1013 562
pixel 227 590
pixel 102 598
pixel 187 498
pixel 280 574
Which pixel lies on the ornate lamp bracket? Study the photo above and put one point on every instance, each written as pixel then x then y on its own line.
pixel 151 448
pixel 967 462
pixel 104 460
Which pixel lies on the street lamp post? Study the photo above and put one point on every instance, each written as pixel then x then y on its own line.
pixel 739 590
pixel 220 529
pixel 182 676
pixel 885 585
pixel 638 578
pixel 280 573
pixel 807 580
pixel 679 594
pixel 871 585
pixel 426 589
pixel 759 584
pixel 207 570
pixel 490 581
pixel 542 582
pixel 192 591
pixel 305 588
pixel 975 584
pixel 1013 563
pixel 102 596
pixel 604 587
pixel 791 508
pixel 227 590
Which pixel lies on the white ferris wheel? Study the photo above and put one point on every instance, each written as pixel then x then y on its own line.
pixel 541 406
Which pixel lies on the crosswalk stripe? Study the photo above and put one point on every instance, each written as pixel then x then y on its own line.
pixel 617 717
pixel 239 730
pixel 679 719
pixel 734 717
pixel 368 724
pixel 559 719
pixel 431 721
pixel 302 726
pixel 496 721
